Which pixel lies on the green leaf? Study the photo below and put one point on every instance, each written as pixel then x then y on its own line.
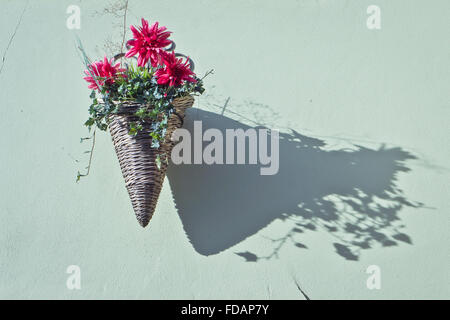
pixel 141 112
pixel 133 131
pixel 89 122
pixel 122 89
pixel 154 135
pixel 158 162
pixel 200 89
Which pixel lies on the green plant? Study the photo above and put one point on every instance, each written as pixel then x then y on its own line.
pixel 154 81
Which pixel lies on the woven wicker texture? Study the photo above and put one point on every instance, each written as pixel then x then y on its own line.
pixel 137 159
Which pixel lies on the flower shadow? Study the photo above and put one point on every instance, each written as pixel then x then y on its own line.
pixel 350 193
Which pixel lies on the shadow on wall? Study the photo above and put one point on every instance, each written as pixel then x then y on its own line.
pixel 351 194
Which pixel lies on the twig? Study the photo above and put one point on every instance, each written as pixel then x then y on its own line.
pixel 12 37
pixel 225 106
pixel 124 25
pixel 300 289
pixel 207 74
pixel 90 159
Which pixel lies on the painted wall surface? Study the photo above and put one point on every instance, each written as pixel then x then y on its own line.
pixel 364 156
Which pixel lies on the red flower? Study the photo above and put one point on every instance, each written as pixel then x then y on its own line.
pixel 175 71
pixel 102 72
pixel 147 43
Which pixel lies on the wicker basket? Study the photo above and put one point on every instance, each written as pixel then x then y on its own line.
pixel 137 158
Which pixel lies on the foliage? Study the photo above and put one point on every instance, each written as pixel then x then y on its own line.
pixel 152 83
pixel 140 86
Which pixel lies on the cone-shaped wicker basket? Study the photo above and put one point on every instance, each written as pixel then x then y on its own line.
pixel 137 158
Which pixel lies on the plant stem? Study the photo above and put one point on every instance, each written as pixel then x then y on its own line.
pixel 207 74
pixel 90 158
pixel 124 26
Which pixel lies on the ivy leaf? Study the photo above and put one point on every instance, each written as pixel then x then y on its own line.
pixel 141 112
pixel 133 131
pixel 155 144
pixel 89 122
pixel 122 89
pixel 158 162
pixel 200 89
pixel 156 94
pixel 137 86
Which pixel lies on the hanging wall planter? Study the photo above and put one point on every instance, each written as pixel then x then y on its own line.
pixel 144 167
pixel 142 102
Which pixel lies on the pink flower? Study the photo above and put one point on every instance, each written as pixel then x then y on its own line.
pixel 147 43
pixel 104 72
pixel 175 71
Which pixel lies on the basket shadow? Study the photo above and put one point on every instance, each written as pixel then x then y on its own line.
pixel 349 193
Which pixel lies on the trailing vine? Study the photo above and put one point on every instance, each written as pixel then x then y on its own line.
pixel 153 82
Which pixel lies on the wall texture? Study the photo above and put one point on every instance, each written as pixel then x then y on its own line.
pixel 364 157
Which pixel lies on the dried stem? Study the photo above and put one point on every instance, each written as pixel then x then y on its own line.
pixel 88 168
pixel 124 26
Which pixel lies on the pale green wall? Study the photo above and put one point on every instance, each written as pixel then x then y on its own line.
pixel 307 65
